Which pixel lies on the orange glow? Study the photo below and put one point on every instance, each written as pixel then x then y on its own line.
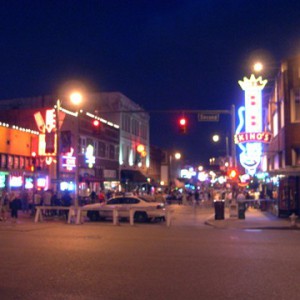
pixel 76 98
pixel 140 148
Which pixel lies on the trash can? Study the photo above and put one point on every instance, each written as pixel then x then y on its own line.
pixel 242 209
pixel 219 209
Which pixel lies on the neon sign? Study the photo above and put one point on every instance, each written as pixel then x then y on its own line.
pixel 41 182
pixel 69 161
pixel 251 138
pixel 89 156
pixel 29 183
pixel 16 181
pixel 2 180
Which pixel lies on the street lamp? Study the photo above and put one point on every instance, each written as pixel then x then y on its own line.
pixel 216 139
pixel 76 99
pixel 258 67
pixel 177 156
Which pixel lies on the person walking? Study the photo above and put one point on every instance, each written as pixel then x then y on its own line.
pixel 15 205
pixel 4 206
pixel 67 201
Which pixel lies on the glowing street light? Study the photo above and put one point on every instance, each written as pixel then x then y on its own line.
pixel 176 156
pixel 76 98
pixel 216 138
pixel 258 67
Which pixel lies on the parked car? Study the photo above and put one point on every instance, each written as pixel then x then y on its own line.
pixel 147 209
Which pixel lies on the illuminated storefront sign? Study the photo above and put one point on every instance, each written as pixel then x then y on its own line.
pixel 41 182
pixel 69 161
pixel 2 179
pixel 249 134
pixel 243 137
pixel 29 183
pixel 67 186
pixel 89 156
pixel 16 181
pixel 47 137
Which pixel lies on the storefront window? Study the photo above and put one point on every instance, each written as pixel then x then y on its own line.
pixel 101 149
pixel 295 106
pixel 111 152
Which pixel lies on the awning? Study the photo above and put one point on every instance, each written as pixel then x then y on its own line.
pixel 133 176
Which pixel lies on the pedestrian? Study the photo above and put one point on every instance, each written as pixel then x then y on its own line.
pixel 47 201
pixel 93 197
pixel 67 201
pixel 24 201
pixel 37 199
pixel 15 205
pixel 160 198
pixel 4 204
pixel 101 197
pixel 241 197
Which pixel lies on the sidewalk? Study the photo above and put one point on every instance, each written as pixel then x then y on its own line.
pixel 254 219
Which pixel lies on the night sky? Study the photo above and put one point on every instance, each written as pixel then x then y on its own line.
pixel 164 55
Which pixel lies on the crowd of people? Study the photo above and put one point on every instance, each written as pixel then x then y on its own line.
pixel 27 200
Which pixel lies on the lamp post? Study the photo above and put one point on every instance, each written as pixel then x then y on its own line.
pixel 177 156
pixel 58 106
pixel 76 99
pixel 216 139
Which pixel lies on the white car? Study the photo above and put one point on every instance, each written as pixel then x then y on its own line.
pixel 146 210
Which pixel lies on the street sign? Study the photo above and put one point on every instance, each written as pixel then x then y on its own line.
pixel 208 117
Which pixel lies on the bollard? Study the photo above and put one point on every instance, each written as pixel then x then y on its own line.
pixel 168 217
pixel 116 217
pixel 131 216
pixel 78 216
pixel 293 218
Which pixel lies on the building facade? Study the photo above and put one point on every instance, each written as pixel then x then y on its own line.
pixel 133 122
pixel 86 157
pixel 282 156
pixel 283 120
pixel 19 170
pixel 111 109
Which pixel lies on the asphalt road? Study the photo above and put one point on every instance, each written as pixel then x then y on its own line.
pixel 188 260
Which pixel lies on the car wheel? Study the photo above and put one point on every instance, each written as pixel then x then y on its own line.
pixel 140 216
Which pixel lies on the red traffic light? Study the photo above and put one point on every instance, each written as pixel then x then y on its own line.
pixel 182 125
pixel 182 121
pixel 96 123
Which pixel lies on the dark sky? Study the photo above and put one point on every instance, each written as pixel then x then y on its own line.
pixel 164 55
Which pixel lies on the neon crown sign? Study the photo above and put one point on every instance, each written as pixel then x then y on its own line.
pixel 249 134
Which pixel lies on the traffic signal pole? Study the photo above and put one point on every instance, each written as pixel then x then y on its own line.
pixel 208 116
pixel 213 116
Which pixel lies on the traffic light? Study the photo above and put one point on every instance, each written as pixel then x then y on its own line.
pixel 233 173
pixel 96 126
pixel 33 162
pixel 140 153
pixel 182 125
pixel 96 123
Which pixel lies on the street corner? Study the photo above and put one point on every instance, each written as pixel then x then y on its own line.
pixel 220 224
